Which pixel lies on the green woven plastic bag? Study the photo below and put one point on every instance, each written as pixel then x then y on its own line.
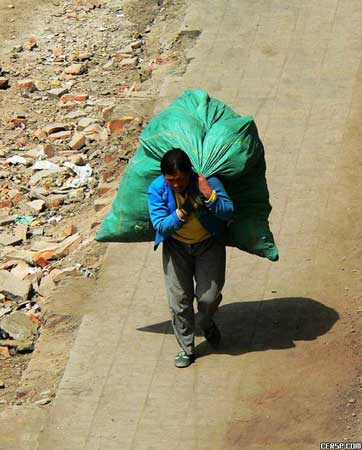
pixel 219 142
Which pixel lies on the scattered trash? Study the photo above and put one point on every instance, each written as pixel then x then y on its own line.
pixel 55 219
pixel 16 160
pixel 24 220
pixel 45 165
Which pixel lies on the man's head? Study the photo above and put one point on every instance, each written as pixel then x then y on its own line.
pixel 177 169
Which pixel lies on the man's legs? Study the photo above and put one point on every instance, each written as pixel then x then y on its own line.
pixel 210 262
pixel 178 266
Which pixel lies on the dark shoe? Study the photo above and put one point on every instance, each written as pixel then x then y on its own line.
pixel 213 335
pixel 184 360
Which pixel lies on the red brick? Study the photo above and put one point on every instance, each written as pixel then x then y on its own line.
pixel 116 126
pixel 109 158
pixel 4 83
pixel 74 98
pixel 26 85
pixel 5 204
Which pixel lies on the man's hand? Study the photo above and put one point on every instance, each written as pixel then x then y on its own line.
pixel 204 186
pixel 181 215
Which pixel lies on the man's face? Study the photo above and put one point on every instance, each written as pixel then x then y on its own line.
pixel 179 181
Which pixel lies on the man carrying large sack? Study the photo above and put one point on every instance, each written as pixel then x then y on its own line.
pixel 189 214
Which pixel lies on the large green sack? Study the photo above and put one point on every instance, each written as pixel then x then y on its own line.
pixel 219 142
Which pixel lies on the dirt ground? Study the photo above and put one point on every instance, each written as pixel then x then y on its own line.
pixel 155 22
pixel 33 377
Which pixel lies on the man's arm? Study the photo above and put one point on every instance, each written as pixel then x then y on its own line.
pixel 218 202
pixel 162 221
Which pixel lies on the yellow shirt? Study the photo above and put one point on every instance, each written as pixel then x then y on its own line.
pixel 191 231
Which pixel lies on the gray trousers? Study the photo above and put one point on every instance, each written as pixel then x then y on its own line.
pixel 193 271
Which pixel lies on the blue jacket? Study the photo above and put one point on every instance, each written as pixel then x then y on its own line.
pixel 162 208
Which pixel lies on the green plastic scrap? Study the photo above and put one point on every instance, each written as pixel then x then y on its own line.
pixel 24 220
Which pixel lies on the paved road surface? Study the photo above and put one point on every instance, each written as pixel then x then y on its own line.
pixel 281 379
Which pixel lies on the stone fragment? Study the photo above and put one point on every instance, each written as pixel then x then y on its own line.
pixel 40 134
pixel 30 44
pixel 21 231
pixel 43 401
pixel 34 276
pixel 104 189
pixel 22 255
pixel 129 63
pixel 60 58
pixel 66 273
pixel 9 265
pixel 107 112
pixel 58 250
pixel 4 353
pixel 136 44
pixel 78 159
pixel 9 239
pixel 37 232
pixel 14 288
pixel 109 65
pixel 21 270
pixel 6 220
pixel 34 153
pixel 67 245
pixel 93 129
pixel 128 50
pixel 109 175
pixel 77 141
pixel 93 132
pixel 38 176
pixel 99 204
pixel 75 69
pixel 109 158
pixel 55 127
pixel 76 114
pixel 27 85
pixel 20 346
pixel 84 56
pixel 85 122
pixel 104 135
pixel 70 230
pixel 48 150
pixel 15 196
pixel 36 206
pixel 57 92
pixel 76 195
pixel 4 83
pixel 60 135
pixel 54 201
pixel 116 126
pixel 19 326
pixel 67 98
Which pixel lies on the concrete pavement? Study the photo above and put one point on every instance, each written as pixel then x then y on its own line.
pixel 295 66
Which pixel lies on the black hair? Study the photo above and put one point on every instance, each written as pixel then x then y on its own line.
pixel 174 160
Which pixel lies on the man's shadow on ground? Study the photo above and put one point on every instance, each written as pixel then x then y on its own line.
pixel 261 325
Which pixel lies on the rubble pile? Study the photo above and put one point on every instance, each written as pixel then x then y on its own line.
pixel 66 135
